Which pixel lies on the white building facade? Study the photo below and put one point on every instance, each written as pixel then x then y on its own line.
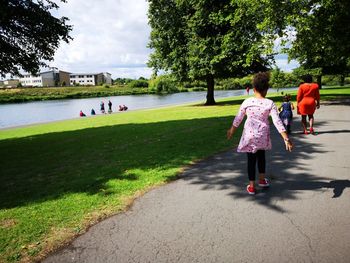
pixel 29 80
pixel 87 79
pixel 50 78
pixel 55 78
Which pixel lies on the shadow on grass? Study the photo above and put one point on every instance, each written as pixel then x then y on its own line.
pixel 45 167
pixel 289 172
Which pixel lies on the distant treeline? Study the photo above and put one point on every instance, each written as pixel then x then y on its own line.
pixel 168 83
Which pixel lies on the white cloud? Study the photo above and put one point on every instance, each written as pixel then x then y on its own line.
pixel 109 35
pixel 283 64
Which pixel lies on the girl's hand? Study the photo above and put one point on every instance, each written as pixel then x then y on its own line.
pixel 289 145
pixel 230 132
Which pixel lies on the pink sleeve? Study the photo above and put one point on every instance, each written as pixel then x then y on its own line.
pixel 240 116
pixel 276 119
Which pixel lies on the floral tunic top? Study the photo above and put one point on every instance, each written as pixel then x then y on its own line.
pixel 256 132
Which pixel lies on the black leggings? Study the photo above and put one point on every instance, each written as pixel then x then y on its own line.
pixel 253 158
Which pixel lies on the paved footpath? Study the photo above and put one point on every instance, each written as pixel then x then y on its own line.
pixel 206 215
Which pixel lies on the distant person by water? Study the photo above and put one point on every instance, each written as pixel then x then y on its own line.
pixel 247 89
pixel 82 114
pixel 122 108
pixel 109 106
pixel 102 107
pixel 93 112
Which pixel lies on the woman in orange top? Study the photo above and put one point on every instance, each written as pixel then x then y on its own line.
pixel 308 99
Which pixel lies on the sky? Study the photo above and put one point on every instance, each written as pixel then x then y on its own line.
pixel 111 36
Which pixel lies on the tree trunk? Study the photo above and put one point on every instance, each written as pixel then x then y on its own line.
pixel 319 81
pixel 210 91
pixel 342 80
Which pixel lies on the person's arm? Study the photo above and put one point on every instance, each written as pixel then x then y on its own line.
pixel 300 94
pixel 280 127
pixel 317 97
pixel 292 105
pixel 236 122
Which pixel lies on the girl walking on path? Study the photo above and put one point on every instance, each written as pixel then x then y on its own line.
pixel 286 113
pixel 308 100
pixel 256 133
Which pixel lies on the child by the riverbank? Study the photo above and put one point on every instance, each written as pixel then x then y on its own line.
pixel 255 138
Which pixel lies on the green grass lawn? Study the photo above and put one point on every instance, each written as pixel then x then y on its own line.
pixel 59 178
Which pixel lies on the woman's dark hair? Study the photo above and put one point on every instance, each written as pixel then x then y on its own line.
pixel 307 78
pixel 261 81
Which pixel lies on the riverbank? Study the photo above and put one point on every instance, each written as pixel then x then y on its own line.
pixel 15 95
pixel 59 178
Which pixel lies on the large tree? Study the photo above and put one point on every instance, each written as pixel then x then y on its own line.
pixel 29 34
pixel 208 39
pixel 321 39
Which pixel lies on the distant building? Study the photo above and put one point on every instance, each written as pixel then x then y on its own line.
pixel 11 83
pixel 90 78
pixel 55 78
pixel 51 78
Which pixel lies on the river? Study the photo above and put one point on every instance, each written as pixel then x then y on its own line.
pixel 19 114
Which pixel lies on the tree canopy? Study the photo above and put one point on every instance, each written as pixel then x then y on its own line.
pixel 29 34
pixel 208 39
pixel 321 34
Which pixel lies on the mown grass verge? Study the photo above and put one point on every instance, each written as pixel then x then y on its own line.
pixel 59 178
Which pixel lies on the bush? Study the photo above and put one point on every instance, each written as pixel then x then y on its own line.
pixel 106 86
pixel 164 84
pixel 140 83
pixel 235 83
pixel 280 79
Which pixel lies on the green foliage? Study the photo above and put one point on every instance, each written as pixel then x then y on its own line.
pixel 236 83
pixel 106 86
pixel 122 81
pixel 321 33
pixel 280 79
pixel 208 39
pixel 140 83
pixel 332 80
pixel 29 34
pixel 164 84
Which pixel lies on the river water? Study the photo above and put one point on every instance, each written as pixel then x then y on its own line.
pixel 12 115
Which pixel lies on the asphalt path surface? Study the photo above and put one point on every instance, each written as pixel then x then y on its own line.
pixel 207 216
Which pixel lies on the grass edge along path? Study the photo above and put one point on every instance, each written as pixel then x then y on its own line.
pixel 57 179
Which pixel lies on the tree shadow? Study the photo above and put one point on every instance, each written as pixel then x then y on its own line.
pixel 46 167
pixel 288 172
pixel 341 100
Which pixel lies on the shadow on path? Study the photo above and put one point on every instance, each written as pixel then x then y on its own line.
pixel 289 172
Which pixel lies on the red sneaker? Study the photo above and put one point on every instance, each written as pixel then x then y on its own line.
pixel 264 183
pixel 305 132
pixel 312 130
pixel 250 190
